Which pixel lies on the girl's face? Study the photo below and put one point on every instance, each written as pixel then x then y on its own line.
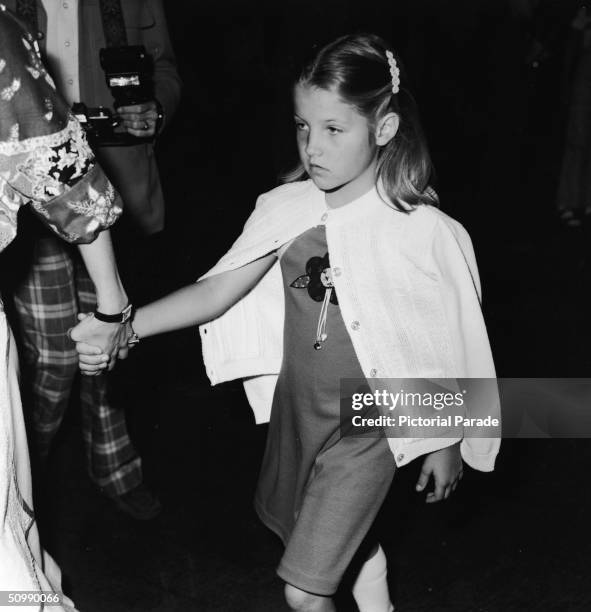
pixel 336 144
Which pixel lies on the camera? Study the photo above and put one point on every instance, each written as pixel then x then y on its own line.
pixel 128 73
pixel 99 125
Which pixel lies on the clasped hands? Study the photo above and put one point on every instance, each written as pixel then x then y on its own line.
pixel 99 344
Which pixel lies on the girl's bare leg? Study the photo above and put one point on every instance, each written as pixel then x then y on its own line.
pixel 302 601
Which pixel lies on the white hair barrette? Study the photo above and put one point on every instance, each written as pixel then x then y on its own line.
pixel 394 72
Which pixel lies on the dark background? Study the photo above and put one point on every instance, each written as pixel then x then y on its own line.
pixel 516 539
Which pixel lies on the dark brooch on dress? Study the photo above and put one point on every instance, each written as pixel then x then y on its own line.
pixel 318 281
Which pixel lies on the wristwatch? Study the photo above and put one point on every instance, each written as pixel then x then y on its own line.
pixel 123 317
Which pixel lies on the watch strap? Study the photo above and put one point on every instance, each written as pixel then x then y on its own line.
pixel 122 317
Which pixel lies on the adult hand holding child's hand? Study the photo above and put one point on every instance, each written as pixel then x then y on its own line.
pixel 99 344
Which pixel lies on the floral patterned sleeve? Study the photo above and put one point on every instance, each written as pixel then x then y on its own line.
pixel 44 156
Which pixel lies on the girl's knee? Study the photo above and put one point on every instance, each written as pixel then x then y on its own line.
pixel 302 601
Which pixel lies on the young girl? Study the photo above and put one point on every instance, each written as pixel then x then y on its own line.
pixel 348 271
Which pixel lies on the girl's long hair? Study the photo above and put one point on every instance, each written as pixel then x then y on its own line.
pixel 356 67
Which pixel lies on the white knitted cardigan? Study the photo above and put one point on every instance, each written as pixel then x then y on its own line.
pixel 409 295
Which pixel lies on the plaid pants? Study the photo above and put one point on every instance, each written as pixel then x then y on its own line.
pixel 56 288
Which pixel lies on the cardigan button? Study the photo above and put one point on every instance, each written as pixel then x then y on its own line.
pixel 400 457
pixel 324 217
pixel 373 372
pixel 355 325
pixel 337 271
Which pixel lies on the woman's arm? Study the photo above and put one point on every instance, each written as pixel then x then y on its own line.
pixel 99 260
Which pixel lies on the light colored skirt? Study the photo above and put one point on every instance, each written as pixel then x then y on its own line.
pixel 24 566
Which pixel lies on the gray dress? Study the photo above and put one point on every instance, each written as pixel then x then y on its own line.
pixel 319 492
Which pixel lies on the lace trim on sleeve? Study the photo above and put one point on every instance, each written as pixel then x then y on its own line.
pixel 71 131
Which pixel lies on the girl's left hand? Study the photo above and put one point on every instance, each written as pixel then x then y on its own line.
pixel 446 467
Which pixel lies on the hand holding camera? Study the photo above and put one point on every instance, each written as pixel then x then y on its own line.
pixel 137 116
pixel 140 120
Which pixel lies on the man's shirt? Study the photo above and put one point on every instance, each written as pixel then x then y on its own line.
pixel 62 46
